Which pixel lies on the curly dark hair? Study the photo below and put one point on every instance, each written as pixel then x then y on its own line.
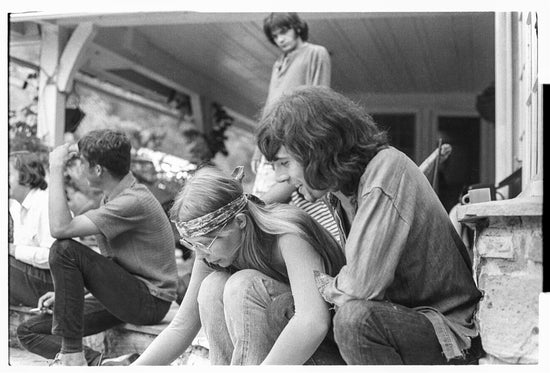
pixel 107 148
pixel 31 169
pixel 332 137
pixel 285 21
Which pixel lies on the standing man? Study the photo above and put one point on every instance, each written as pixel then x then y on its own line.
pixel 133 279
pixel 406 294
pixel 300 64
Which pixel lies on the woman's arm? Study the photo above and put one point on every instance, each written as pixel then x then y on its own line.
pixel 311 321
pixel 177 336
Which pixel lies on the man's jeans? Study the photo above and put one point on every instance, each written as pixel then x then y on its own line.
pixel 237 315
pixel 384 333
pixel 118 297
pixel 27 283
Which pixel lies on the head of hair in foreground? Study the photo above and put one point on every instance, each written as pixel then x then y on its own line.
pixel 107 148
pixel 210 189
pixel 285 21
pixel 31 170
pixel 332 137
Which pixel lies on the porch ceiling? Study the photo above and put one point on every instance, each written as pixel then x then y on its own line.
pixel 225 56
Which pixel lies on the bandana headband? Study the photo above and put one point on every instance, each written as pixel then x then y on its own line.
pixel 213 220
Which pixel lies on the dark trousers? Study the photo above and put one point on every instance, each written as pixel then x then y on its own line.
pixel 281 310
pixel 118 297
pixel 27 283
pixel 384 333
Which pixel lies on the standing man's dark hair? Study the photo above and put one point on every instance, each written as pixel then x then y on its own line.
pixel 285 21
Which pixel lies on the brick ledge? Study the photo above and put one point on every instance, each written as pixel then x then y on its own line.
pixel 519 206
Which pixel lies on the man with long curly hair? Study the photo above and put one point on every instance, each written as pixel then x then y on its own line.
pixel 406 294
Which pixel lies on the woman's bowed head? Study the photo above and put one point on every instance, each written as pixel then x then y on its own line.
pixel 319 140
pixel 233 230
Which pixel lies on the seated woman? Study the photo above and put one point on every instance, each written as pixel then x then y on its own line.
pixel 29 274
pixel 247 253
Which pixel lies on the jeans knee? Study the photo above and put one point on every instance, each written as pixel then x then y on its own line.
pixel 24 334
pixel 58 249
pixel 239 285
pixel 350 317
pixel 211 290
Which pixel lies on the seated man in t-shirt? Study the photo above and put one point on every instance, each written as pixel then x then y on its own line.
pixel 133 279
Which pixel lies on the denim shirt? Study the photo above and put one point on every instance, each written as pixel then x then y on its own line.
pixel 402 248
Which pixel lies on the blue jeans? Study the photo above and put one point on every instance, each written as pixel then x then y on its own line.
pixel 118 297
pixel 27 283
pixel 236 313
pixel 384 333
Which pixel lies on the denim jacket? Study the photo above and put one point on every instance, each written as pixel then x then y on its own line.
pixel 401 247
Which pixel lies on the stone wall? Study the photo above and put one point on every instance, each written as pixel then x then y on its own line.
pixel 508 270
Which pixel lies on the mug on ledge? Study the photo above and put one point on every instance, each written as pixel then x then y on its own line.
pixel 477 196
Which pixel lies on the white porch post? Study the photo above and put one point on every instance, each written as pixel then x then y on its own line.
pixel 504 95
pixel 51 103
pixel 59 61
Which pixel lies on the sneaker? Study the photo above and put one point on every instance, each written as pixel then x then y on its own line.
pixel 56 360
pixel 123 360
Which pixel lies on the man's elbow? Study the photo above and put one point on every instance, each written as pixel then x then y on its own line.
pixel 58 233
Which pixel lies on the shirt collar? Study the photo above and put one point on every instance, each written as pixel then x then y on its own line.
pixel 126 182
pixel 31 198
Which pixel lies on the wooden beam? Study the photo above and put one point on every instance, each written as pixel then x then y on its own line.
pixel 145 58
pixel 74 54
pixel 144 18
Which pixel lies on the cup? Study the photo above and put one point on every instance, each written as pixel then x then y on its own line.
pixel 477 196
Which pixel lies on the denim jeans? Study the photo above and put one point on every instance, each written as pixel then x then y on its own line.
pixel 27 283
pixel 236 313
pixel 384 333
pixel 118 297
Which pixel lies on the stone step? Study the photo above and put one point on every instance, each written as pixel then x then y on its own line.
pixel 123 339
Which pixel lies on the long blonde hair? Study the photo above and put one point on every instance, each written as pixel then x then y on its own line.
pixel 209 189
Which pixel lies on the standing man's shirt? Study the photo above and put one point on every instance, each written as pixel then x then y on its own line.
pixel 403 248
pixel 136 234
pixel 307 65
pixel 31 229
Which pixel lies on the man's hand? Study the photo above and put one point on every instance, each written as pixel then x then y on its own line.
pixel 46 302
pixel 60 155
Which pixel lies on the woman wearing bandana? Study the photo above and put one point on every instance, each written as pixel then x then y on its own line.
pixel 247 254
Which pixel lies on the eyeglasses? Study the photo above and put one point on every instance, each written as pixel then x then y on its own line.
pixel 200 246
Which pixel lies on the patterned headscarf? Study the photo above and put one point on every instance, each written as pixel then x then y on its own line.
pixel 213 220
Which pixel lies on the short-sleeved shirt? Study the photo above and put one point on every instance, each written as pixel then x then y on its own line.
pixel 136 234
pixel 403 248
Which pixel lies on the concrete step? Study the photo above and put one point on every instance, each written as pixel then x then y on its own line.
pixel 123 339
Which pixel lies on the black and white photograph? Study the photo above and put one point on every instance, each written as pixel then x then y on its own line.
pixel 291 184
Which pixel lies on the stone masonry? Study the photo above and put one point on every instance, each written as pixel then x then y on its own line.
pixel 508 270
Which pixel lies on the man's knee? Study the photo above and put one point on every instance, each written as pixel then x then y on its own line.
pixel 211 289
pixel 354 317
pixel 60 248
pixel 25 335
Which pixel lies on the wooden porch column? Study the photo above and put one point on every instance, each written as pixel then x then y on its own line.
pixel 59 61
pixel 51 103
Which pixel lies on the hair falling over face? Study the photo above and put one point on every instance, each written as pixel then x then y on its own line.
pixel 210 189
